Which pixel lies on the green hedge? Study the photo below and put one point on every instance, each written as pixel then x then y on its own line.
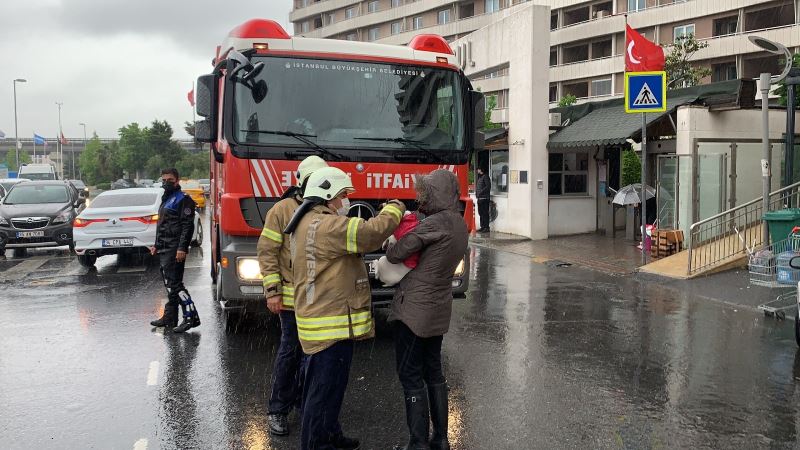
pixel 103 186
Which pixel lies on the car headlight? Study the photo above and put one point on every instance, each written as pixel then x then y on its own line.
pixel 248 269
pixel 64 217
pixel 460 269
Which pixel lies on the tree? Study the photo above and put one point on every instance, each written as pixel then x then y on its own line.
pixel 631 168
pixel 782 91
pixel 491 104
pixel 189 128
pixel 11 159
pixel 88 161
pixel 567 100
pixel 680 72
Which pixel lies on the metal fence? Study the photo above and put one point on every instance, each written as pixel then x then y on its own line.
pixel 733 232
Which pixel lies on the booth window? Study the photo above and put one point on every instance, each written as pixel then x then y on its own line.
pixel 498 172
pixel 568 174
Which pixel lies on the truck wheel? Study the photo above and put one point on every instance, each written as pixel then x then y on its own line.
pixel 87 260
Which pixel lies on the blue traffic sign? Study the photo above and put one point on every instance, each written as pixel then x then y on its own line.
pixel 645 92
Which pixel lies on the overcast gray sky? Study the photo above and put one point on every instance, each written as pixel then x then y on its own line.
pixel 111 62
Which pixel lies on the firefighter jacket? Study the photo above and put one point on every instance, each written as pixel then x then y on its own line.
pixel 332 294
pixel 175 221
pixel 274 256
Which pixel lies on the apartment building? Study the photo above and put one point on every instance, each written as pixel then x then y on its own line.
pixel 587 38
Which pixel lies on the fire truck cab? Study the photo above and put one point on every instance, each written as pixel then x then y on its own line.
pixel 381 113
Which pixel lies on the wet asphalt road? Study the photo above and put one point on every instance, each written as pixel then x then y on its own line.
pixel 537 357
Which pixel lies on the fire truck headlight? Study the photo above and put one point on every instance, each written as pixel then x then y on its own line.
pixel 460 269
pixel 248 269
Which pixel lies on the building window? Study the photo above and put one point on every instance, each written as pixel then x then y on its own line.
pixel 372 7
pixel 601 87
pixel 636 5
pixel 352 37
pixel 553 93
pixel 417 22
pixel 444 17
pixel 498 171
pixel 553 21
pixel 397 27
pixel 726 26
pixel 492 6
pixel 349 13
pixel 723 72
pixel 553 56
pixel 304 28
pixel 330 18
pixel 396 3
pixel 683 31
pixel 568 173
pixel 374 34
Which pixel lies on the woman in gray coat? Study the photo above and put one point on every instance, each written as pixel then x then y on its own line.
pixel 422 303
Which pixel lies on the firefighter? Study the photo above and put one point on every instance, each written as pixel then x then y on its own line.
pixel 332 297
pixel 173 234
pixel 273 257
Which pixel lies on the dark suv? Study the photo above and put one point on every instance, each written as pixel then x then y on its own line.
pixel 38 214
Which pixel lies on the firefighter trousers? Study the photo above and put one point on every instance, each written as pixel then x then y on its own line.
pixel 286 374
pixel 324 384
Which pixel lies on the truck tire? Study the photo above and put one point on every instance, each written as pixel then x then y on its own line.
pixel 87 260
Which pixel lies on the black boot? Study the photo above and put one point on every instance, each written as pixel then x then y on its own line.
pixel 188 322
pixel 170 317
pixel 342 442
pixel 418 420
pixel 437 394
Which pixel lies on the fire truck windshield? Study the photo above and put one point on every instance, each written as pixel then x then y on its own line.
pixel 351 105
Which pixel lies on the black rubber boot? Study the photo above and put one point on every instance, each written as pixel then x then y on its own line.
pixel 170 317
pixel 418 420
pixel 437 394
pixel 343 442
pixel 278 424
pixel 188 322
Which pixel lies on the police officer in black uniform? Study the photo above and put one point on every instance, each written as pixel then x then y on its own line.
pixel 173 234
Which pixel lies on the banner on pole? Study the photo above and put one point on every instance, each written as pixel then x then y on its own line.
pixel 645 92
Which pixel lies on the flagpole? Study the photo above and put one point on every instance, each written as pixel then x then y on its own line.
pixel 60 144
pixel 644 187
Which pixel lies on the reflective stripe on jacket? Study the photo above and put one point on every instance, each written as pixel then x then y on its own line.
pixel 274 256
pixel 332 294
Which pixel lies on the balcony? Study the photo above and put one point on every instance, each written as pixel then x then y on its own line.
pixel 587 69
pixel 737 44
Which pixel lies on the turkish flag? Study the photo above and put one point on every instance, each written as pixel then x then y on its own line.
pixel 63 140
pixel 641 55
pixel 190 96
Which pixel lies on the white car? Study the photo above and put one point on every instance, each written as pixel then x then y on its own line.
pixel 119 222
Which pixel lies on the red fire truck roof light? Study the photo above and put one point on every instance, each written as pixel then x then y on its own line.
pixel 259 28
pixel 430 43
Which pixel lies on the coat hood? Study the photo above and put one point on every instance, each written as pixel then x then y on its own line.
pixel 437 191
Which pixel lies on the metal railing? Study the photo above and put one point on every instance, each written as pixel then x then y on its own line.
pixel 715 239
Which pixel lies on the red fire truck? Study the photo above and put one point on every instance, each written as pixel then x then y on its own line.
pixel 381 113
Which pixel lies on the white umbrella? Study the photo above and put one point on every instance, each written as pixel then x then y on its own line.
pixel 631 194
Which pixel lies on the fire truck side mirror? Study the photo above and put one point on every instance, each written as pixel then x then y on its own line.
pixel 204 131
pixel 205 98
pixel 478 109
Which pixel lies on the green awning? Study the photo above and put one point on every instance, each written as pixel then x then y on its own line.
pixel 606 123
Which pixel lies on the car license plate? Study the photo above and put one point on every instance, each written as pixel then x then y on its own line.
pixel 30 234
pixel 121 242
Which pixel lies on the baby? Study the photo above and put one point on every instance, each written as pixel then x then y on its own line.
pixel 391 274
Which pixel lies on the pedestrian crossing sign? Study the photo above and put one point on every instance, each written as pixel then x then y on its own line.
pixel 645 92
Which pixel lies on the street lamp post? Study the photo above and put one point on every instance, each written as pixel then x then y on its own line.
pixel 16 130
pixel 765 80
pixel 60 144
pixel 84 147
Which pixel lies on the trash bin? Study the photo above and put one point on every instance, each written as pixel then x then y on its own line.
pixel 781 222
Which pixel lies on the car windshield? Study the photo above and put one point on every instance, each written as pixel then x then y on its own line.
pixel 7 184
pixel 344 104
pixel 124 200
pixel 36 194
pixel 40 176
pixel 78 184
pixel 204 181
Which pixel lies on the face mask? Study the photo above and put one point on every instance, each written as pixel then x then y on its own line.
pixel 168 186
pixel 345 208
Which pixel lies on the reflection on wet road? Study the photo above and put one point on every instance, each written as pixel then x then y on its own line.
pixel 536 357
